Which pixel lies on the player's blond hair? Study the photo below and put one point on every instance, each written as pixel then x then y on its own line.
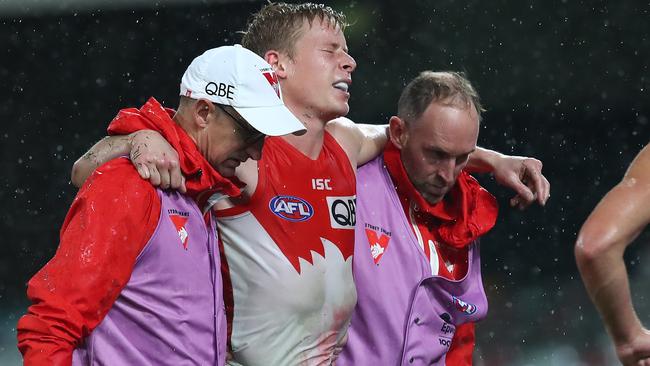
pixel 277 26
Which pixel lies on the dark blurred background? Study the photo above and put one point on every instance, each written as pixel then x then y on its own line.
pixel 564 81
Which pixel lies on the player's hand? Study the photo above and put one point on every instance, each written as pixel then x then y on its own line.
pixel 156 160
pixel 524 176
pixel 637 351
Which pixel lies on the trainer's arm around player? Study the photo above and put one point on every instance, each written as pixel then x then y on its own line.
pixel 615 222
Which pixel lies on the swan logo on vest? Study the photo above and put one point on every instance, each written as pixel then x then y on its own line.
pixel 342 211
pixel 378 239
pixel 272 78
pixel 291 208
pixel 179 219
pixel 463 306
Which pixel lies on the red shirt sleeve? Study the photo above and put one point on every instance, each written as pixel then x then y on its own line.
pixel 109 223
pixel 462 346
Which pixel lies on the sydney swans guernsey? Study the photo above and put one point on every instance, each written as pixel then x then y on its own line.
pixel 288 258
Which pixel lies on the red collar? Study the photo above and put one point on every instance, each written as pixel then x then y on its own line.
pixel 201 176
pixel 464 214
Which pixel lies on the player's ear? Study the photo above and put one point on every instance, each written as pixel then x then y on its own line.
pixel 201 110
pixel 398 132
pixel 278 61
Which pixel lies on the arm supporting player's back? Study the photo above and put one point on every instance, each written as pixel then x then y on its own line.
pixel 612 226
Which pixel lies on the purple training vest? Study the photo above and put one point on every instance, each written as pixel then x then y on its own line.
pixel 171 311
pixel 404 315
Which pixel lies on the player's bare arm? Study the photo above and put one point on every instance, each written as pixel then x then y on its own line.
pixel 158 162
pixel 102 151
pixel 363 142
pixel 152 156
pixel 519 173
pixel 615 222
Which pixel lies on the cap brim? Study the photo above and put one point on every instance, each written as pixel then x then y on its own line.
pixel 272 121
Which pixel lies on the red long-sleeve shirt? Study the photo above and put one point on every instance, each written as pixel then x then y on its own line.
pixel 108 224
pixel 73 292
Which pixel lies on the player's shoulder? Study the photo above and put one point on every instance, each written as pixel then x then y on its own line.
pixel 342 125
pixel 347 134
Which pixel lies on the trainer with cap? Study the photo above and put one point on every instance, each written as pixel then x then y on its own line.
pixel 135 279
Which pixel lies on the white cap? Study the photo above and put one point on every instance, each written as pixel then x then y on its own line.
pixel 235 76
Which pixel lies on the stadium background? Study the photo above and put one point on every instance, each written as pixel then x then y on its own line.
pixel 564 81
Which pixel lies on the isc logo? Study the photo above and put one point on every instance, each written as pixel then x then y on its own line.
pixel 321 184
pixel 291 208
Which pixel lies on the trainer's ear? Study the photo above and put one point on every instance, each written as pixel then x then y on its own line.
pixel 200 111
pixel 398 131
pixel 278 62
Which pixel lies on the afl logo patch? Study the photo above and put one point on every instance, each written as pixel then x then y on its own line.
pixel 463 306
pixel 291 208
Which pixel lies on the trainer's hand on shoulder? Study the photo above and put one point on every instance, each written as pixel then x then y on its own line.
pixel 524 176
pixel 156 160
pixel 637 351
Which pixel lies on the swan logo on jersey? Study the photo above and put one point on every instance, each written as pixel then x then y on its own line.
pixel 179 219
pixel 291 208
pixel 342 210
pixel 378 239
pixel 463 306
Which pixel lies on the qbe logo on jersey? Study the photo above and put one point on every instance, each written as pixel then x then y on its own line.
pixel 291 208
pixel 343 211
